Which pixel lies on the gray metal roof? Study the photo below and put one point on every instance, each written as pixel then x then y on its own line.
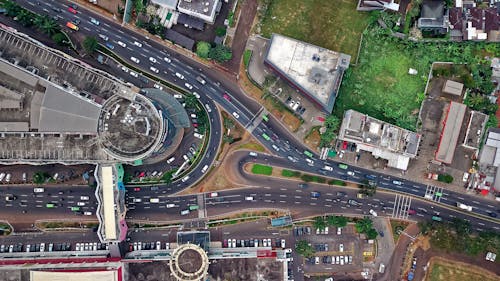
pixel 64 112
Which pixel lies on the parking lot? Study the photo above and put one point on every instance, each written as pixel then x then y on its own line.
pixel 336 250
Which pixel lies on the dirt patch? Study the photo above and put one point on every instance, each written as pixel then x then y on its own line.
pixel 246 269
pixel 313 139
pixel 441 269
pixel 397 226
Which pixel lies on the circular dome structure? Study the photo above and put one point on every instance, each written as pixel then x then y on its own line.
pixel 189 262
pixel 129 129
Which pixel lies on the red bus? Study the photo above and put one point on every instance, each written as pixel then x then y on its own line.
pixel 72 26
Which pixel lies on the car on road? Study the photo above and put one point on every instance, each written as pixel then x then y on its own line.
pixel 397 182
pixel 189 86
pixel 94 21
pixel 185 179
pixel 80 203
pixel 134 74
pixel 464 207
pixel 373 213
pixel 154 69
pixel 201 80
pixel 226 96
pixel 134 59
pixel 109 45
pixel 253 154
pixel 315 194
pixel 84 198
pixel 103 37
pixel 153 60
pixel 208 108
pixel 249 198
pixel 38 189
pixel 350 173
pixel 275 147
pixel 121 44
pixel 138 44
pixel 303 185
pixel 71 10
pixel 328 168
pixel 87 213
pixel 204 169
pixel 167 59
pixel 157 86
pixel 180 76
pixel 370 177
pixel 236 115
pixel 412 212
pixel 492 214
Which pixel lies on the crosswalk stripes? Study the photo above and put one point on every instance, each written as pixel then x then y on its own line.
pixel 401 207
pixel 433 193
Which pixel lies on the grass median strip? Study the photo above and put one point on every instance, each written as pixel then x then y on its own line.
pixel 290 173
pixel 259 169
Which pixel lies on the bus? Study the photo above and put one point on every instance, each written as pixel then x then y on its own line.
pixel 343 166
pixel 308 154
pixel 266 137
pixel 193 207
pixel 50 205
pixel 265 118
pixel 436 218
pixel 72 26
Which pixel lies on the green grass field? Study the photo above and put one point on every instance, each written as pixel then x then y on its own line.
pixel 332 24
pixel 259 169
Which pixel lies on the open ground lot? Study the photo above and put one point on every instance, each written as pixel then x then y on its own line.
pixel 447 270
pixel 335 25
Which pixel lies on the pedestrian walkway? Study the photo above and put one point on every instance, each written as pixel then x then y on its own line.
pixel 202 211
pixel 434 193
pixel 401 207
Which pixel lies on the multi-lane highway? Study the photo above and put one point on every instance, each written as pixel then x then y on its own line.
pixel 290 152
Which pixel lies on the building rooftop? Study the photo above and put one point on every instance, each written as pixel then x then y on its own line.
pixel 450 133
pixel 203 9
pixel 316 71
pixel 179 39
pixel 432 9
pixel 384 140
pixel 166 3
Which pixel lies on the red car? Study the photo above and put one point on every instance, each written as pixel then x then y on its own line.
pixel 71 10
pixel 137 189
pixel 344 145
pixel 227 97
pixel 142 174
pixel 412 212
pixel 195 125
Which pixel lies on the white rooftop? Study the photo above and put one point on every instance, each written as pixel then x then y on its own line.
pixel 316 70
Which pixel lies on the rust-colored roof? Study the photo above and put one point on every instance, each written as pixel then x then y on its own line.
pixel 492 19
pixel 456 18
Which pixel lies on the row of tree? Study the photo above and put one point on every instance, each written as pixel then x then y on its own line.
pixel 217 52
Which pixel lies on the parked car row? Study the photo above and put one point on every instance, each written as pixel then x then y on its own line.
pixel 302 230
pixel 91 246
pixel 266 242
pixel 39 247
pixel 138 246
pixel 339 260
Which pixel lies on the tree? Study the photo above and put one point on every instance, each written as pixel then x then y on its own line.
pixel 228 123
pixel 203 49
pixel 363 225
pixel 332 124
pixel 220 53
pixel 220 31
pixel 371 233
pixel 167 176
pixel 319 223
pixel 339 221
pixel 39 20
pixel 303 248
pixel 190 101
pixel 59 38
pixel 11 8
pixel 90 44
pixel 40 177
pixel 50 27
pixel 25 17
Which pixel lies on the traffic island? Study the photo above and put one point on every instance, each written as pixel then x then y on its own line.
pixel 65 225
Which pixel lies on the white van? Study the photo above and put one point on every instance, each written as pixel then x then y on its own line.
pixel 170 160
pixel 328 168
pixel 154 200
pixel 200 136
pixel 309 162
pixel 185 179
pixel 184 212
pixel 253 154
pixel 249 198
pixel 87 213
pixel 170 205
pixel 38 189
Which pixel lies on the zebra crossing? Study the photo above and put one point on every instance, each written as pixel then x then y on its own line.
pixel 433 193
pixel 401 207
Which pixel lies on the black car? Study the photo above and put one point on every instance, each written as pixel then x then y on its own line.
pixel 76 21
pixel 492 214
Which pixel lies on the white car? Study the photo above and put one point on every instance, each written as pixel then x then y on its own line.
pixel 339 230
pixel 154 69
pixel 159 87
pixel 2 176
pixel 121 44
pixel 179 75
pixel 134 74
pixel 38 189
pixel 153 60
pixel 167 59
pixel 158 245
pixel 350 173
pixel 138 44
pixel 249 198
pixel 208 108
pixel 196 95
pixel 341 247
pixel 7 177
pixel 328 168
pixel 134 59
pixel 80 203
pixel 88 213
pixel 125 69
pixel 283 243
pixel 84 198
pixel 236 115
pixel 264 242
pixel 188 86
pixel 94 21
pixel 77 248
pixel 373 213
pixel 170 206
pixel 397 182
